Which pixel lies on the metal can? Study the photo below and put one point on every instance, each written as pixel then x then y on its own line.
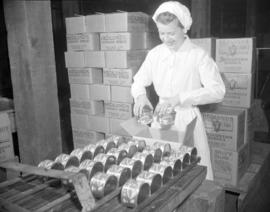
pixel 173 162
pixel 122 173
pixel 166 120
pixel 94 149
pixel 107 144
pixel 134 165
pixel 147 159
pixel 118 140
pixel 134 192
pixel 67 160
pixel 106 160
pixel 163 170
pixel 139 143
pixel 130 147
pixel 90 168
pixel 102 184
pixel 147 115
pixel 165 148
pixel 184 157
pixel 154 180
pixel 119 154
pixel 81 154
pixel 50 164
pixel 192 151
pixel 156 153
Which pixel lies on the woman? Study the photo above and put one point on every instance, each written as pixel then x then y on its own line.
pixel 183 75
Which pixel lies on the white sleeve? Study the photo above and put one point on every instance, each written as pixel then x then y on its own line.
pixel 213 88
pixel 142 78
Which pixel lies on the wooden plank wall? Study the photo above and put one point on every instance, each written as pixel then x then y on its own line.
pixel 32 62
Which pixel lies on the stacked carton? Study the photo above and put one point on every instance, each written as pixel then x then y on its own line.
pixel 104 53
pixel 125 43
pixel 84 62
pixel 228 125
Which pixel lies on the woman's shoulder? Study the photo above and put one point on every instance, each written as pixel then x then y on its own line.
pixel 157 50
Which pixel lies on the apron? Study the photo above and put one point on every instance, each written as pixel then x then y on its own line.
pixel 184 115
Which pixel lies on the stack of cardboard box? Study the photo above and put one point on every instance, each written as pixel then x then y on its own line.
pixel 229 124
pixel 126 42
pixel 104 53
pixel 84 62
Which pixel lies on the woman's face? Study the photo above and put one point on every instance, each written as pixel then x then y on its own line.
pixel 172 35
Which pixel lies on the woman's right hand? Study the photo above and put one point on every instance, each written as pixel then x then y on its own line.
pixel 140 102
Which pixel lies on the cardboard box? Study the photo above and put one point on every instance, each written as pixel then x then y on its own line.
pixel 99 123
pixel 80 121
pixel 121 94
pixel 116 76
pixel 100 92
pixel 225 127
pixel 6 142
pixel 80 91
pixel 82 137
pixel 124 59
pixel 74 59
pixel 207 44
pixel 122 41
pixel 85 75
pixel 239 89
pixel 94 59
pixel 95 23
pixel 84 106
pixel 75 25
pixel 126 22
pixel 83 42
pixel 229 166
pixel 118 110
pixel 235 55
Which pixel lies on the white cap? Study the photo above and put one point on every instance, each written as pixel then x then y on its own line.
pixel 178 9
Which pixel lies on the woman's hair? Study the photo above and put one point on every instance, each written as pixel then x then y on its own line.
pixel 167 17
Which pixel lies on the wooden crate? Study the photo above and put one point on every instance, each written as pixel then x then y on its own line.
pixel 33 193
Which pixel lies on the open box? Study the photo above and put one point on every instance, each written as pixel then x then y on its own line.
pixel 175 138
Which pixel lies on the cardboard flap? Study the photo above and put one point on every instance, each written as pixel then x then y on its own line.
pixel 136 129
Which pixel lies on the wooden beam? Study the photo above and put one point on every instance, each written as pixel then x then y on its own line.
pixel 201 15
pixel 33 73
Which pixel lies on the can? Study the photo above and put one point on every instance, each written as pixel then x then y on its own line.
pixel 50 164
pixel 81 154
pixel 102 184
pixel 184 157
pixel 119 154
pixel 146 158
pixel 67 160
pixel 106 160
pixel 140 144
pixel 163 170
pixel 173 162
pixel 123 174
pixel 154 180
pixel 90 168
pixel 107 144
pixel 134 193
pixel 134 165
pixel 130 147
pixel 94 149
pixel 165 148
pixel 192 151
pixel 155 152
pixel 118 140
pixel 72 169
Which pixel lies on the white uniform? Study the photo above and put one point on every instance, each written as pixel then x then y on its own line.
pixel 192 75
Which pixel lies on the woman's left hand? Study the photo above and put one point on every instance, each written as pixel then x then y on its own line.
pixel 169 103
